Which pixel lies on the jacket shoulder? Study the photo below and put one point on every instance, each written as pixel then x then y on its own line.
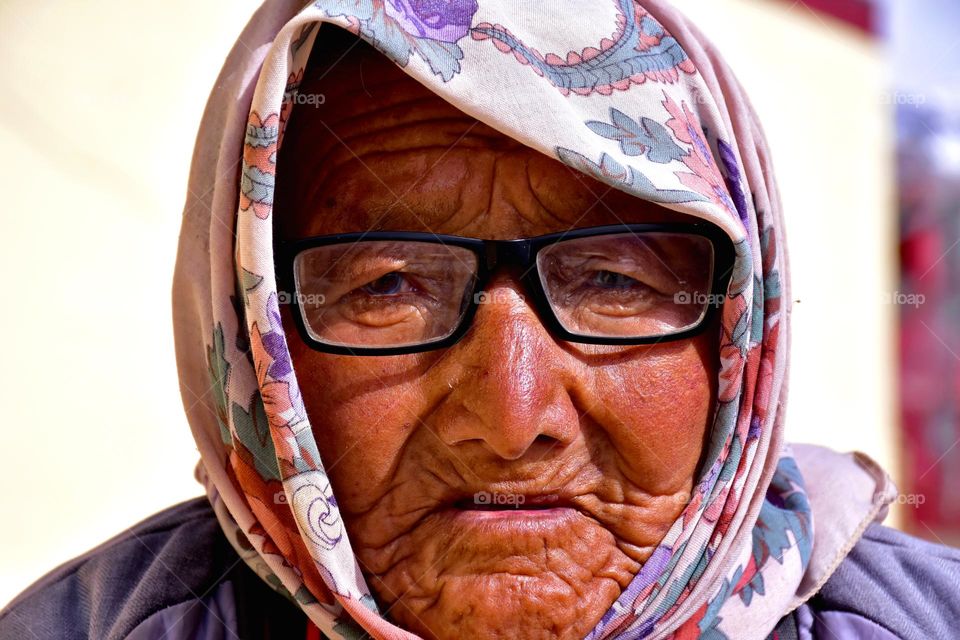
pixel 163 561
pixel 891 582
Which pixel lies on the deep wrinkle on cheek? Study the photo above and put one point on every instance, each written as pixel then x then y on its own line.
pixel 655 408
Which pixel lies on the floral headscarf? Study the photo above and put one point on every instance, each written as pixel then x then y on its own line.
pixel 628 92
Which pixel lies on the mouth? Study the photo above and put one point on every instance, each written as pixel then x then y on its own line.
pixel 506 517
pixel 503 515
pixel 492 501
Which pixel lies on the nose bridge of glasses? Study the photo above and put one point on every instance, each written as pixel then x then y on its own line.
pixel 504 263
pixel 506 253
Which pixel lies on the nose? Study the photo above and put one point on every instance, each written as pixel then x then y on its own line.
pixel 513 381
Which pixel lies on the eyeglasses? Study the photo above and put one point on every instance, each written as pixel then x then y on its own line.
pixel 395 292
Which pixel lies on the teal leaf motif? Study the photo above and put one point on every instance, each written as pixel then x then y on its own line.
pixel 756 331
pixel 387 36
pixel 771 286
pixel 582 163
pixel 368 601
pixel 771 283
pixel 739 335
pixel 785 514
pixel 724 422
pixel 443 57
pixel 253 430
pixel 248 282
pixel 219 370
pixel 303 596
pixel 349 629
pixel 641 50
pixel 306 445
pixel 305 32
pixel 646 137
pixel 387 33
pixel 742 268
pixel 711 618
pixel 729 468
pixel 611 172
pixel 261 136
pixel 362 9
pixel 256 184
pixel 277 586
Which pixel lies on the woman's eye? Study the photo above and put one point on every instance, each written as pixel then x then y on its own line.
pixel 385 284
pixel 612 279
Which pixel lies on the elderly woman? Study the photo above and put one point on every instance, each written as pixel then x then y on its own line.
pixel 482 322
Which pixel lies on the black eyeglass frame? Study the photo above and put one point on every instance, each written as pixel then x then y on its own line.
pixel 519 252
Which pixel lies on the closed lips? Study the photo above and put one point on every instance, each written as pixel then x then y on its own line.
pixel 489 501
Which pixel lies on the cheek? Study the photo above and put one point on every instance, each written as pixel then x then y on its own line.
pixel 659 419
pixel 361 413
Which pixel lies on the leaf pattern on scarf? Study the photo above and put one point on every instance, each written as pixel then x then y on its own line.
pixel 638 51
pixel 218 370
pixel 254 444
pixel 610 171
pixel 399 28
pixel 257 176
pixel 640 137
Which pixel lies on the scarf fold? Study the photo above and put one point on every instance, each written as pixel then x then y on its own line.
pixel 627 92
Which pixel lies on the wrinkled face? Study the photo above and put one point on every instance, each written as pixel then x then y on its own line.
pixel 600 443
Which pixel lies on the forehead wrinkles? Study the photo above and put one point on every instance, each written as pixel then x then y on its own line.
pixel 387 98
pixel 385 127
pixel 356 119
pixel 391 188
pixel 355 132
pixel 325 145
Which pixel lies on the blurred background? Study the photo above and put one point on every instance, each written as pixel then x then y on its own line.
pixel 860 102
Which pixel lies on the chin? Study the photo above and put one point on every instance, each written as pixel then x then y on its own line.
pixel 520 573
pixel 504 605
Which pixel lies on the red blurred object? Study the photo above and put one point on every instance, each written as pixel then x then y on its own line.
pixel 929 331
pixel 859 13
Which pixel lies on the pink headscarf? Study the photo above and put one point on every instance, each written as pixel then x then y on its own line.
pixel 628 92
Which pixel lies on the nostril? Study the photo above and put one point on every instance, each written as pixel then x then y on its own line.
pixel 538 448
pixel 545 442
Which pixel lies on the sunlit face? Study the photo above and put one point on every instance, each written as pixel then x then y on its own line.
pixel 600 443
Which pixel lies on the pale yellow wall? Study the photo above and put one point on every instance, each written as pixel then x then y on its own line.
pixel 101 103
